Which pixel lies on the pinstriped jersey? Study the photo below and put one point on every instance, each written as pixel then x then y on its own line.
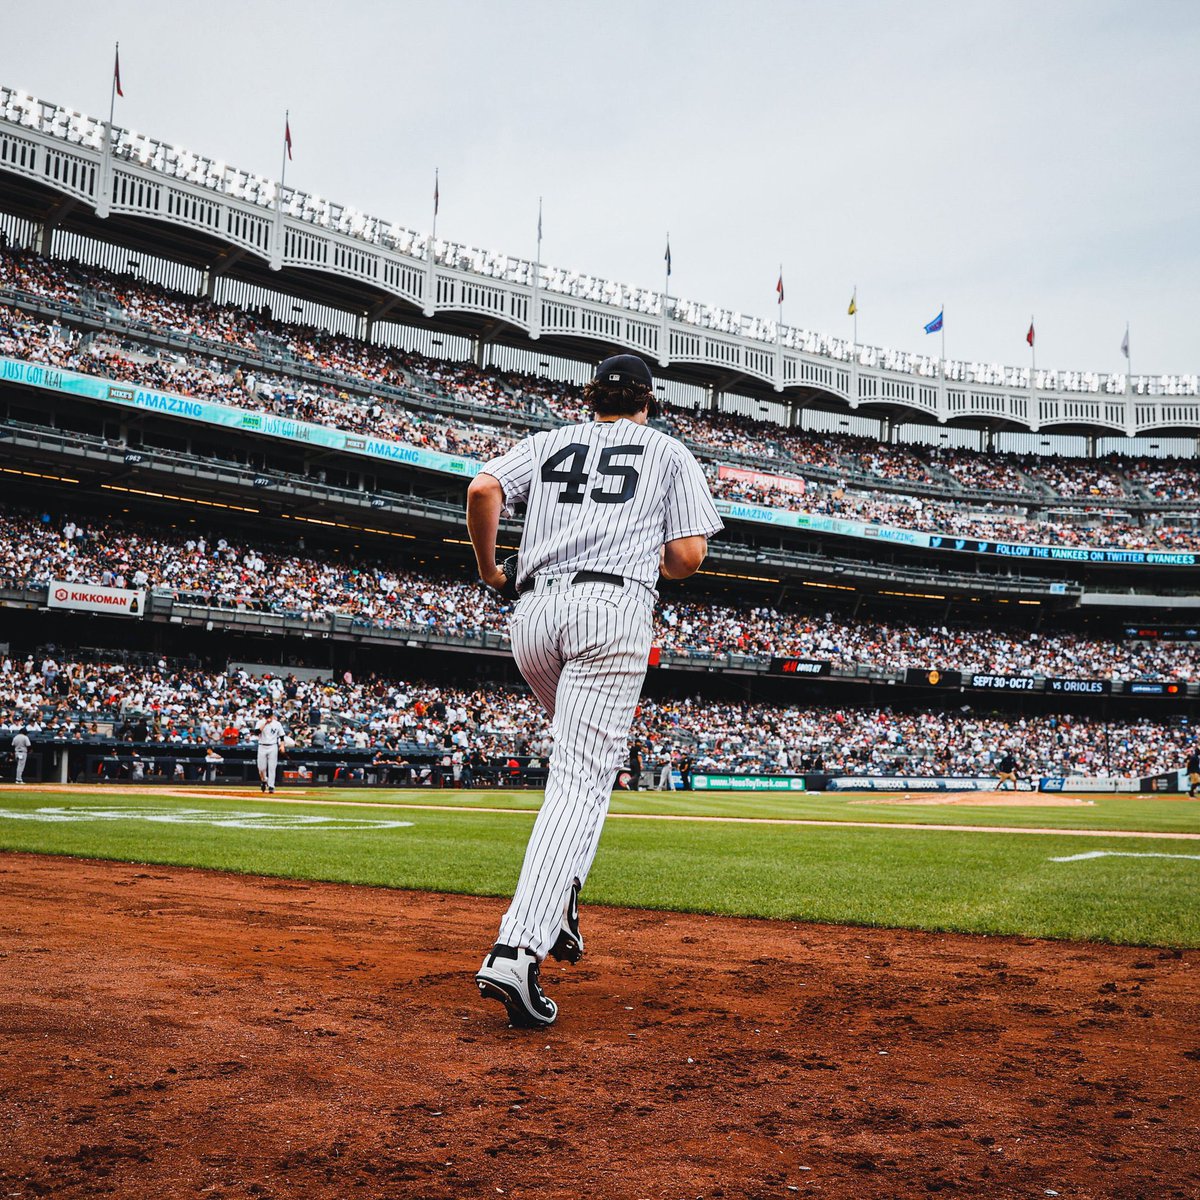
pixel 603 496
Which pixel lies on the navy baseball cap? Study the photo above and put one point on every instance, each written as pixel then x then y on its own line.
pixel 628 368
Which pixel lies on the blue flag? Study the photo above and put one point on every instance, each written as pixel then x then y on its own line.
pixel 935 324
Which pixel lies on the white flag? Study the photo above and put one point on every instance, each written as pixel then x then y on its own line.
pixel 1125 342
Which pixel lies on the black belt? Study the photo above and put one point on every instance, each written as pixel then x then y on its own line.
pixel 579 577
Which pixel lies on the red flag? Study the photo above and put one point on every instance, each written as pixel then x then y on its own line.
pixel 287 136
pixel 1029 335
pixel 779 286
pixel 117 70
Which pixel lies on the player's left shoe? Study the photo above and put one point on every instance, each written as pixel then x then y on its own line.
pixel 568 946
pixel 510 974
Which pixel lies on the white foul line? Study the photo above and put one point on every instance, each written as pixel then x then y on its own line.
pixel 1123 854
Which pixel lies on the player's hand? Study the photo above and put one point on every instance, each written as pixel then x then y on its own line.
pixel 494 578
pixel 504 578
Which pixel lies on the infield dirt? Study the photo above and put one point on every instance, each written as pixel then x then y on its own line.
pixel 174 1032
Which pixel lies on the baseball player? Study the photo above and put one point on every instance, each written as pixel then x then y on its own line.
pixel 270 733
pixel 1193 770
pixel 1006 771
pixel 610 504
pixel 20 749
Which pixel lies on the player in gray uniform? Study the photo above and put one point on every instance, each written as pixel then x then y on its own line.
pixel 20 749
pixel 270 733
pixel 610 505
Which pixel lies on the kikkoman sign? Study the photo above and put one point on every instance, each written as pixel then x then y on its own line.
pixel 84 597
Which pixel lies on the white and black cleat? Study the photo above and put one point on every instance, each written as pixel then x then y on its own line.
pixel 568 946
pixel 510 974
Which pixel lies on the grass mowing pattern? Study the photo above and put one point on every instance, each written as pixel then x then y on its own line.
pixel 968 882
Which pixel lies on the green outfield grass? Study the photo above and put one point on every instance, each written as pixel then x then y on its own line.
pixel 979 882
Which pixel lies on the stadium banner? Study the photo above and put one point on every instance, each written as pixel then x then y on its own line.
pixel 121 602
pixel 782 483
pixel 229 417
pixel 1085 554
pixel 932 677
pixel 911 783
pixel 1170 688
pixel 799 667
pixel 1079 687
pixel 702 782
pixel 1088 783
pixel 1003 683
pixel 1162 633
pixel 819 523
pixel 273 425
pixel 1168 781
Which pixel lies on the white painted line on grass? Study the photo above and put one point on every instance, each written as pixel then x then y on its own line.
pixel 1123 854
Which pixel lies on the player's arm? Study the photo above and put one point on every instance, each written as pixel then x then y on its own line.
pixel 682 556
pixel 485 499
pixel 690 518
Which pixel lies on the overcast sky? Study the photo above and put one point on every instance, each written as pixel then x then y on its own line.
pixel 1011 159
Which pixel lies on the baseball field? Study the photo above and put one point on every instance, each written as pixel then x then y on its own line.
pixel 782 994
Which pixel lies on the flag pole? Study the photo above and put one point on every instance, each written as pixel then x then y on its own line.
pixel 102 203
pixel 943 333
pixel 854 342
pixel 112 99
pixel 287 118
pixel 1032 354
pixel 277 255
pixel 535 316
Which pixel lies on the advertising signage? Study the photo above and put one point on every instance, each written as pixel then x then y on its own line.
pixel 1079 687
pixel 799 667
pixel 1162 633
pixel 1155 687
pixel 1079 554
pixel 703 782
pixel 1003 683
pixel 932 677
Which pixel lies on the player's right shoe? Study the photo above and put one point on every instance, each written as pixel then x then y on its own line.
pixel 510 974
pixel 568 946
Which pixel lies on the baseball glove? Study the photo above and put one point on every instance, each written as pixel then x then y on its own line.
pixel 509 567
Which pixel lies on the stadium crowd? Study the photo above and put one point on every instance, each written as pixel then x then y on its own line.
pixel 227 573
pixel 170 706
pixel 230 384
pixel 153 308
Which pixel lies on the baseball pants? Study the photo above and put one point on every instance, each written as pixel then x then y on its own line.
pixel 666 779
pixel 268 760
pixel 583 649
pixel 21 756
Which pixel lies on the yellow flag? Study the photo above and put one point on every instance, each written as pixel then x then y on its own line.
pixel 853 304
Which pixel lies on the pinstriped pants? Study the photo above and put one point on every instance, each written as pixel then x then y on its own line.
pixel 583 649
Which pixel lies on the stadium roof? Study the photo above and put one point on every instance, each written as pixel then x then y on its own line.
pixel 161 199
